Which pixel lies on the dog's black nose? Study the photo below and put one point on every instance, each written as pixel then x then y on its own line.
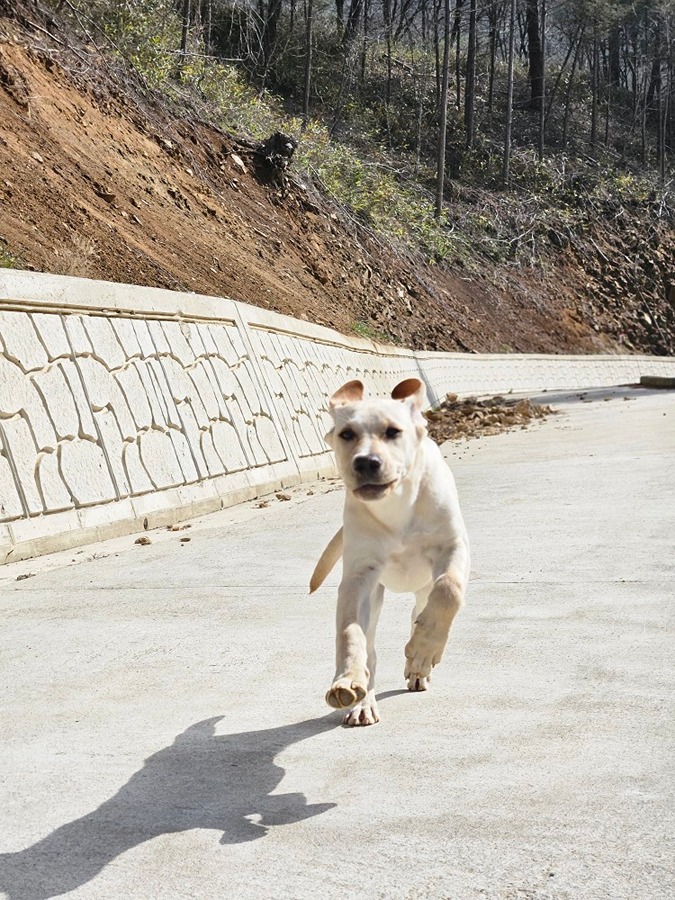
pixel 367 465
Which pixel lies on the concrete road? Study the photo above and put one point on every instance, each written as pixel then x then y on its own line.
pixel 163 726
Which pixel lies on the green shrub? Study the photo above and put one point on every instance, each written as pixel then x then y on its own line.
pixel 146 33
pixel 7 259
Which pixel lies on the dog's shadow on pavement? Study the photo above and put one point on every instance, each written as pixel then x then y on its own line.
pixel 202 780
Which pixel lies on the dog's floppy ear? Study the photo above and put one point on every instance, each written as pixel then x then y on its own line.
pixel 348 393
pixel 411 387
pixel 351 392
pixel 412 392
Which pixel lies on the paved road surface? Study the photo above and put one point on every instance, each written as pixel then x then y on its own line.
pixel 163 726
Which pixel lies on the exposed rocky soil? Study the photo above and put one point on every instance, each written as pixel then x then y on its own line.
pixel 99 178
pixel 472 417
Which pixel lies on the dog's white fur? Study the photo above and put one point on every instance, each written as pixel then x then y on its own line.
pixel 402 530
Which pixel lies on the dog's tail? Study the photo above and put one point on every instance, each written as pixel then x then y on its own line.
pixel 327 560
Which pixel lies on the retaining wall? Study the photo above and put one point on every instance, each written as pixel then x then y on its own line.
pixel 123 408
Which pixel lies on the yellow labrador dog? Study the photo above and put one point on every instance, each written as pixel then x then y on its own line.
pixel 402 530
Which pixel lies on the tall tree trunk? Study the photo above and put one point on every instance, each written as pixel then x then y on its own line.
pixel 270 32
pixel 443 123
pixel 353 21
pixel 653 81
pixel 542 85
pixel 421 74
pixel 364 46
pixel 309 25
pixel 456 34
pixel 669 94
pixel 340 16
pixel 614 56
pixel 521 22
pixel 470 88
pixel 660 105
pixel 643 122
pixel 534 52
pixel 568 92
pixel 386 11
pixel 437 51
pixel 595 85
pixel 493 55
pixel 506 170
pixel 185 28
pixel 207 19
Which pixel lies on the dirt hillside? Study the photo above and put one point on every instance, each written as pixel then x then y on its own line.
pixel 99 178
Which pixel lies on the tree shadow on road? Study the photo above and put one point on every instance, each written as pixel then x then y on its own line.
pixel 201 781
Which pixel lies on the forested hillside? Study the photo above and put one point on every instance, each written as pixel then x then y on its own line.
pixel 477 174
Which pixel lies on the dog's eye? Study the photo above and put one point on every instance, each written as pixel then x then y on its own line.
pixel 347 434
pixel 391 433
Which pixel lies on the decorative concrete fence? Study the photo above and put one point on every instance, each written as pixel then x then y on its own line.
pixel 123 408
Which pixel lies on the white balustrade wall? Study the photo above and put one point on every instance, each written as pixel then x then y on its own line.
pixel 123 408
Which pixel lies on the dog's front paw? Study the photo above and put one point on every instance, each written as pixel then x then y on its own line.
pixel 417 682
pixel 422 653
pixel 345 692
pixel 364 713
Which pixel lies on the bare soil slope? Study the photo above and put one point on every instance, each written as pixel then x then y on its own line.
pixel 102 180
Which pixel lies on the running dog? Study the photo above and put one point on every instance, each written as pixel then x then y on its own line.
pixel 402 530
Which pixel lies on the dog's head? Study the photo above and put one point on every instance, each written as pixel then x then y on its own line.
pixel 375 441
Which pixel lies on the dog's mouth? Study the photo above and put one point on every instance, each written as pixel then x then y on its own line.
pixel 373 491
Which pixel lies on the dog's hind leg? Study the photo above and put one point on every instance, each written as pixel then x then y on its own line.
pixel 365 712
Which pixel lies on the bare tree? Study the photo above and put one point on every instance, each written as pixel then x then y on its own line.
pixel 534 51
pixel 456 35
pixel 185 29
pixel 353 21
pixel 470 89
pixel 443 123
pixel 542 85
pixel 269 35
pixel 492 18
pixel 207 18
pixel 309 26
pixel 386 11
pixel 595 85
pixel 506 169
